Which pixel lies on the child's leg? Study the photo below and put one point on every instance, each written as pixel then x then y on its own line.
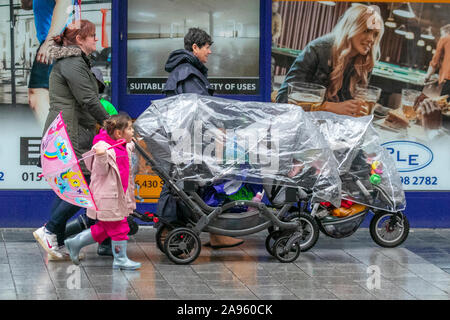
pixel 83 239
pixel 118 231
pixel 99 231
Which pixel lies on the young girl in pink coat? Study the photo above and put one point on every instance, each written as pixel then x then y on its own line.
pixel 112 187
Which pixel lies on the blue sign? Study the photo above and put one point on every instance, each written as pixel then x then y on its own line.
pixel 408 155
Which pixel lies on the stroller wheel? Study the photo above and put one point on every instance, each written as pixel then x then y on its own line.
pixel 271 239
pixel 387 232
pixel 161 234
pixel 182 245
pixel 284 254
pixel 310 230
pixel 309 226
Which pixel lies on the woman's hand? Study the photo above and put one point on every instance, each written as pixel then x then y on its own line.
pixel 427 106
pixel 351 107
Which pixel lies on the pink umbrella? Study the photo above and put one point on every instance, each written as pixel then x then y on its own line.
pixel 60 166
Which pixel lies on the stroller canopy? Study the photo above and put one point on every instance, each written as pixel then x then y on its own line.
pixel 208 140
pixel 357 146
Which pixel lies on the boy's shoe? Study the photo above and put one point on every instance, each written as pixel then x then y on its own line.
pixel 48 241
pixel 65 256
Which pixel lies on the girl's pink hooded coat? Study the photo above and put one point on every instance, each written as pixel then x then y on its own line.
pixel 106 186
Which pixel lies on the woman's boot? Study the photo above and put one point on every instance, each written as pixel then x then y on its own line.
pixel 74 245
pixel 121 261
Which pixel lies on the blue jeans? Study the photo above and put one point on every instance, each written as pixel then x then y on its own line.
pixel 61 212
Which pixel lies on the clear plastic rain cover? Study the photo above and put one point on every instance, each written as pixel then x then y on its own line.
pixel 209 140
pixel 357 148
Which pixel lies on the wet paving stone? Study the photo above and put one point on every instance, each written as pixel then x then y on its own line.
pixel 335 269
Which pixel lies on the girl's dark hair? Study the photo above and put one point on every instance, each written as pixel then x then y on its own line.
pixel 116 122
pixel 83 28
pixel 197 36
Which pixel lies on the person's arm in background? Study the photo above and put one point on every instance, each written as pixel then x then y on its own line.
pixel 350 107
pixel 435 61
pixel 80 84
pixel 303 68
pixel 60 16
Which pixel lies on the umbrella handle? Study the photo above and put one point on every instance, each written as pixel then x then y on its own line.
pixel 120 141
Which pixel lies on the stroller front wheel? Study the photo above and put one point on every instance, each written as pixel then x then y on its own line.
pixel 310 231
pixel 386 232
pixel 271 239
pixel 182 245
pixel 283 253
pixel 162 232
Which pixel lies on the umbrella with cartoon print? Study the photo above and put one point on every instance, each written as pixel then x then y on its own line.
pixel 60 166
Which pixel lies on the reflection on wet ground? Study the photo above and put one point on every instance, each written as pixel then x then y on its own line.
pixel 334 269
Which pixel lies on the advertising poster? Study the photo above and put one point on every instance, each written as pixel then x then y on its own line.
pixel 400 55
pixel 156 28
pixel 23 111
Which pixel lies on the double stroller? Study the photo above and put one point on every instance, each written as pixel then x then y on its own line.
pixel 195 143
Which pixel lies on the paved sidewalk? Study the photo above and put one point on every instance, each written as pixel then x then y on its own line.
pixel 333 269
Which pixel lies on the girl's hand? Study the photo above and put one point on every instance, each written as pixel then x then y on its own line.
pixel 351 107
pixel 100 150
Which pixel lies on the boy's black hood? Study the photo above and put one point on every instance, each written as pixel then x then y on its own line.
pixel 180 56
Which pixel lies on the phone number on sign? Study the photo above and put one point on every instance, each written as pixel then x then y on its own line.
pixel 419 181
pixel 31 176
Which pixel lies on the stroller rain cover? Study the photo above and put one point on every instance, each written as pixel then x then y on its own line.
pixel 211 140
pixel 356 145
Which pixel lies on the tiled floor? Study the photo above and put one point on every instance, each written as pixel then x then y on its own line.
pixel 333 269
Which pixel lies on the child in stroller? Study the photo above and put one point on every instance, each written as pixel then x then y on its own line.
pixel 370 183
